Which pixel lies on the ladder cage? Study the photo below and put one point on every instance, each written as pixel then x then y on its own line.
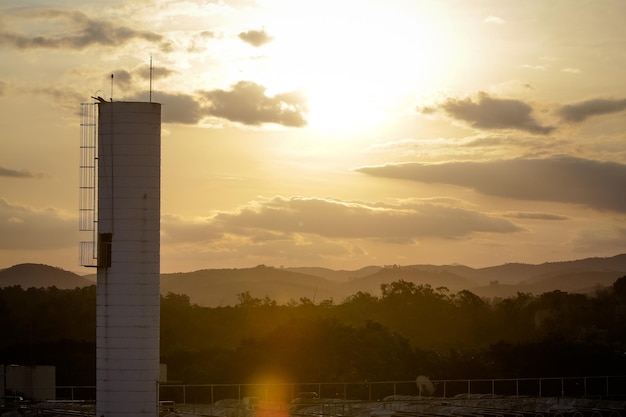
pixel 88 182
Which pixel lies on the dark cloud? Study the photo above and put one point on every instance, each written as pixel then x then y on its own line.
pixel 535 144
pixel 255 38
pixel 492 114
pixel 121 78
pixel 340 219
pixel 247 103
pixel 157 72
pixel 79 32
pixel 535 216
pixel 11 173
pixel 23 227
pixel 428 110
pixel 489 141
pixel 596 184
pixel 581 111
pixel 289 219
pixel 126 79
pixel 179 108
pixel 186 239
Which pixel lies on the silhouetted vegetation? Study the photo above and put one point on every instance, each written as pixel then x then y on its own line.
pixel 409 330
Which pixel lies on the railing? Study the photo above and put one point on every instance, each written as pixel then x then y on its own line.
pixel 575 387
pixel 606 397
pixel 76 393
pixel 600 387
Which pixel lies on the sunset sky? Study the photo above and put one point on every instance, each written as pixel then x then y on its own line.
pixel 331 133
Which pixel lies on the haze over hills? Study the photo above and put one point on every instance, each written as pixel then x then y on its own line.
pixel 221 287
pixel 41 276
pixel 333 275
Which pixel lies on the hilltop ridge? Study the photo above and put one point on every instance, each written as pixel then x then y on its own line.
pixel 221 287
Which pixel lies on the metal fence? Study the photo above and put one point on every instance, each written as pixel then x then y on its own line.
pixel 601 387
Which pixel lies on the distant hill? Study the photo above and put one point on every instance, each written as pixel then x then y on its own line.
pixel 221 287
pixel 579 276
pixel 582 282
pixel 516 273
pixel 331 274
pixel 41 276
pixel 435 277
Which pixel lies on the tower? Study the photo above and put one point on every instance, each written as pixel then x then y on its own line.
pixel 126 251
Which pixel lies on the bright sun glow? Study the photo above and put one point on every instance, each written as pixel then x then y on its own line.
pixel 355 61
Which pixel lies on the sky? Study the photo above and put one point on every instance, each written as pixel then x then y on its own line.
pixel 330 133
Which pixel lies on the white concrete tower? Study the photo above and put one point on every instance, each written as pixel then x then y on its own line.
pixel 128 259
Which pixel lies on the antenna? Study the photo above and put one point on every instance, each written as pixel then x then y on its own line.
pixel 111 87
pixel 150 78
pixel 98 97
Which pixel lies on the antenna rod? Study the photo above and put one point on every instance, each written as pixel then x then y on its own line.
pixel 150 78
pixel 111 87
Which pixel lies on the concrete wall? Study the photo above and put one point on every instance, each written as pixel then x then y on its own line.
pixel 128 303
pixel 31 382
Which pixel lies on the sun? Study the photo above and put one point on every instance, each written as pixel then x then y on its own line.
pixel 356 62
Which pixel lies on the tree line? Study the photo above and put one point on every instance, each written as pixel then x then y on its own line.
pixel 406 331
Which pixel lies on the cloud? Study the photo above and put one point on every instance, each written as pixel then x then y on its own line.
pixel 581 111
pixel 492 114
pixel 494 20
pixel 23 227
pixel 255 38
pixel 199 40
pixel 247 103
pixel 64 97
pixel 601 239
pixel 341 219
pixel 11 173
pixel 532 143
pixel 121 78
pixel 296 218
pixel 79 32
pixel 571 70
pixel 176 107
pixel 535 216
pixel 192 241
pixel 495 141
pixel 157 72
pixel 127 80
pixel 428 110
pixel 179 107
pixel 3 88
pixel 595 184
pixel 535 67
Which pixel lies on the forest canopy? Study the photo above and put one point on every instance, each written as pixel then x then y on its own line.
pixel 406 331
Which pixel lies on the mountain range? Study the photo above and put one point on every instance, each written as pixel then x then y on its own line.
pixel 221 287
